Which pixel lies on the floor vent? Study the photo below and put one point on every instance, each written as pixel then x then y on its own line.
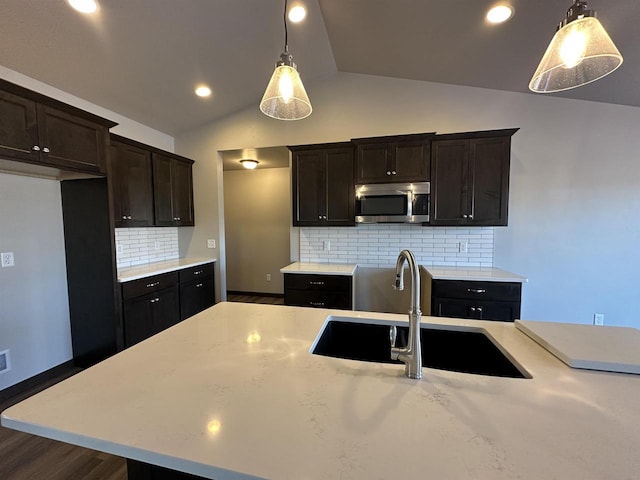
pixel 5 366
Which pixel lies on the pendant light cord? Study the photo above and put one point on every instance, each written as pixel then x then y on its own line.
pixel 286 35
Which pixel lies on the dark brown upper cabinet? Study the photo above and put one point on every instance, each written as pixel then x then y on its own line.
pixel 401 158
pixel 470 178
pixel 132 185
pixel 45 132
pixel 323 189
pixel 172 190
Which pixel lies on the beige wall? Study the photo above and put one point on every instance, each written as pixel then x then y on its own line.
pixel 575 175
pixel 257 212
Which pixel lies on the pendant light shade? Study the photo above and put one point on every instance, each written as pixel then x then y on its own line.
pixel 285 97
pixel 580 52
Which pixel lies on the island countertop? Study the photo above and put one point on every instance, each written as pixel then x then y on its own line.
pixel 234 393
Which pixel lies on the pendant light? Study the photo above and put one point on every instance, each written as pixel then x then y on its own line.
pixel 580 52
pixel 285 97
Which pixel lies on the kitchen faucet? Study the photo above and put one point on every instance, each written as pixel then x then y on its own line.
pixel 411 355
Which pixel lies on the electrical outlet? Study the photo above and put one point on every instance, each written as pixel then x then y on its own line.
pixel 268 277
pixel 326 245
pixel 5 363
pixel 119 248
pixel 7 259
pixel 157 245
pixel 598 319
pixel 463 247
pixel 211 243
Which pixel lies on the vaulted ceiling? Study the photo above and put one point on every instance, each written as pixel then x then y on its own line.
pixel 143 58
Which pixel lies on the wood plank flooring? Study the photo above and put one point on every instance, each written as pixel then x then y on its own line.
pixel 29 457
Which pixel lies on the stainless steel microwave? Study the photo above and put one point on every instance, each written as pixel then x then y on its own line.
pixel 393 203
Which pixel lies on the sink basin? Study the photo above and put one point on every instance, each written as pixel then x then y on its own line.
pixel 459 349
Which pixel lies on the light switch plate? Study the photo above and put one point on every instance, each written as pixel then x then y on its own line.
pixel 211 243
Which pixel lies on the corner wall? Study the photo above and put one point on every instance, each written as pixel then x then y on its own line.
pixel 574 179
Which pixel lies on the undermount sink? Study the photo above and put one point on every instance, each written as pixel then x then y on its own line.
pixel 459 349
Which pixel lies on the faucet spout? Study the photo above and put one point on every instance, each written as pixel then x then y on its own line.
pixel 411 355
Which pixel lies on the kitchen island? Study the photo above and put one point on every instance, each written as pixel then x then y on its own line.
pixel 234 393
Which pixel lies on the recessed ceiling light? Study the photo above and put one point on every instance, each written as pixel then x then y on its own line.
pixel 84 6
pixel 297 13
pixel 203 91
pixel 500 13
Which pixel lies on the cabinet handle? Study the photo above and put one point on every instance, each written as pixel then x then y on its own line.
pixel 199 272
pixel 179 218
pixel 479 309
pixel 154 300
pixel 128 217
pixel 154 284
pixel 465 216
pixel 35 148
pixel 45 150
pixel 317 304
pixel 124 217
pixel 393 172
pixel 388 172
pixel 473 309
pixel 316 283
pixel 199 285
pixel 470 216
pixel 324 217
pixel 476 290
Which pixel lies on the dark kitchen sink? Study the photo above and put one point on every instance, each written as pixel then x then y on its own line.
pixel 461 350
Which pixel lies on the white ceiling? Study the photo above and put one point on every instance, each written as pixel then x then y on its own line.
pixel 142 58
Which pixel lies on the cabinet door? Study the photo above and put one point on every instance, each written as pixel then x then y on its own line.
pixel 138 319
pixel 410 161
pixel 133 192
pixel 340 192
pixel 182 193
pixel 165 306
pixel 71 142
pixel 373 163
pixel 18 128
pixel 489 161
pixel 309 188
pixel 449 174
pixel 196 296
pixel 162 190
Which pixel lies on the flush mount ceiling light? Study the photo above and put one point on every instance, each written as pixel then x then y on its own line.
pixel 499 13
pixel 84 6
pixel 249 164
pixel 580 52
pixel 285 97
pixel 297 13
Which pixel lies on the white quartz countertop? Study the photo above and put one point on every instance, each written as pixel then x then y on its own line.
pixel 321 268
pixel 234 393
pixel 149 269
pixel 485 274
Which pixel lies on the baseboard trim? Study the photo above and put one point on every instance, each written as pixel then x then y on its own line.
pixel 31 382
pixel 255 294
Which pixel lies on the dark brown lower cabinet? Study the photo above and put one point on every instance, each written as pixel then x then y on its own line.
pixel 144 471
pixel 154 303
pixel 476 300
pixel 319 291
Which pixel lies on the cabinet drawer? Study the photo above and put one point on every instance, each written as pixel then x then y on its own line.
pixel 197 272
pixel 476 310
pixel 317 299
pixel 306 282
pixel 501 291
pixel 145 285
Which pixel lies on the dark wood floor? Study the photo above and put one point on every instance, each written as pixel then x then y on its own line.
pixel 29 457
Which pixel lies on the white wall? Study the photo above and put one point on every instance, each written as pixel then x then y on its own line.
pixel 574 179
pixel 257 211
pixel 34 313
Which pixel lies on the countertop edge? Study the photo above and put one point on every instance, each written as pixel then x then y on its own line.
pixel 137 272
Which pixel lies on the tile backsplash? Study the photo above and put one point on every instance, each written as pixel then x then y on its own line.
pixel 137 246
pixel 378 245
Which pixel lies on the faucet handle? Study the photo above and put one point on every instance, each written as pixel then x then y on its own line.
pixel 393 333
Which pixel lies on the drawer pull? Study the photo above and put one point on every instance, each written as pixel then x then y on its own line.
pixel 154 300
pixel 199 285
pixel 154 284
pixel 198 272
pixel 317 304
pixel 316 283
pixel 476 290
